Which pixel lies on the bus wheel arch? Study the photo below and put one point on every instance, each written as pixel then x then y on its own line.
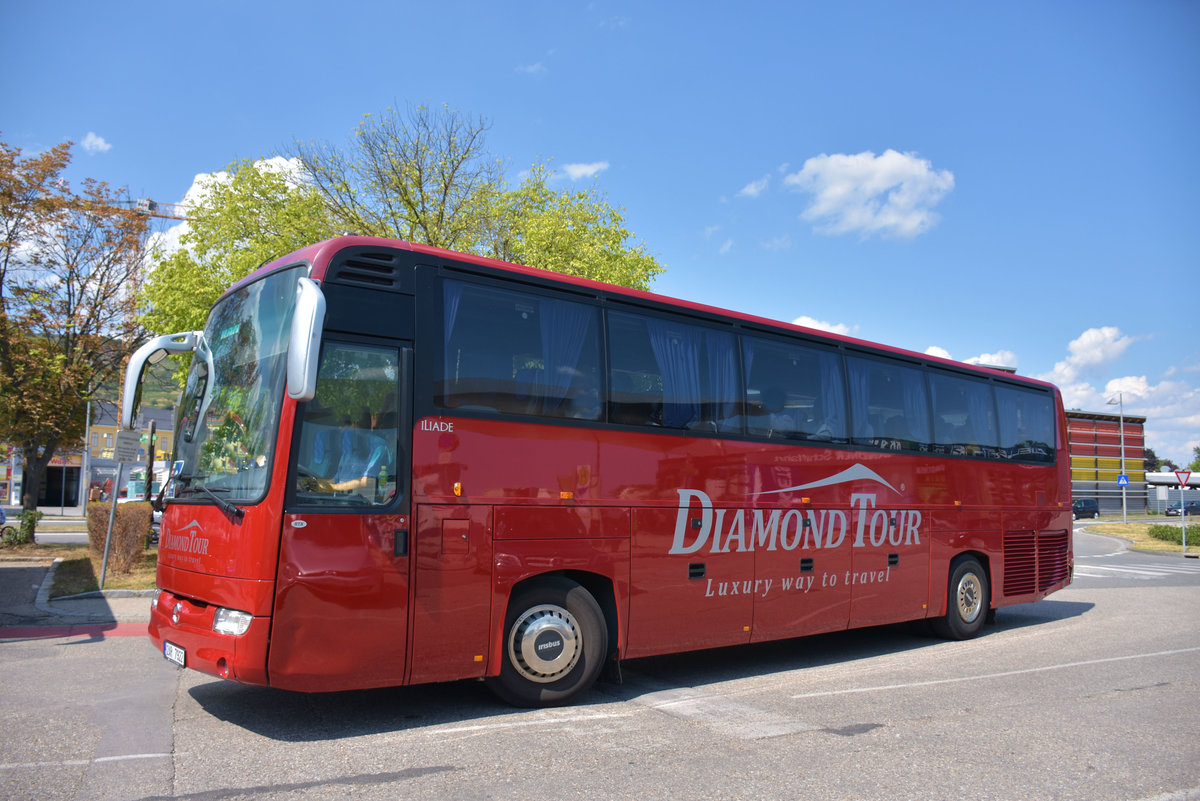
pixel 555 642
pixel 968 598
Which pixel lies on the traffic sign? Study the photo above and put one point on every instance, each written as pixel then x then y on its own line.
pixel 1184 477
pixel 1122 480
pixel 126 450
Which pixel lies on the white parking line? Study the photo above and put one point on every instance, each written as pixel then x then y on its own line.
pixel 82 762
pixel 1135 570
pixel 722 713
pixel 1002 674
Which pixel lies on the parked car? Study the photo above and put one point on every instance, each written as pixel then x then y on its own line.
pixel 1190 508
pixel 1087 507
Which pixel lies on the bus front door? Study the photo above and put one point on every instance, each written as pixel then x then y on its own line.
pixel 343 580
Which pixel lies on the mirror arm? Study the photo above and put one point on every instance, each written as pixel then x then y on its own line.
pixel 151 352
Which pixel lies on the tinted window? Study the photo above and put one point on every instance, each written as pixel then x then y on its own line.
pixel 888 404
pixel 671 374
pixel 964 417
pixel 794 391
pixel 519 353
pixel 349 434
pixel 1026 424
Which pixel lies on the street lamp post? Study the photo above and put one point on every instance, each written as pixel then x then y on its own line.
pixel 1120 404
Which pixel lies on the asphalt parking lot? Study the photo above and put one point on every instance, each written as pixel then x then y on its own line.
pixel 1090 694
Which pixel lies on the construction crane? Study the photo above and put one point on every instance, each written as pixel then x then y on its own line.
pixel 164 211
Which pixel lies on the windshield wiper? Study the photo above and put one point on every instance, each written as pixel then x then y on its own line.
pixel 225 506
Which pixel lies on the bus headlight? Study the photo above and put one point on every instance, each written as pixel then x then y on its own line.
pixel 231 621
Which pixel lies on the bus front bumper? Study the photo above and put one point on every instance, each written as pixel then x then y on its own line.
pixel 182 630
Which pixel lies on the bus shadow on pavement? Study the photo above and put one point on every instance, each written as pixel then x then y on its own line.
pixel 1044 611
pixel 310 717
pixel 698 668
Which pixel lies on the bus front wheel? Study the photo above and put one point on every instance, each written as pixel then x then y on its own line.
pixel 555 641
pixel 967 601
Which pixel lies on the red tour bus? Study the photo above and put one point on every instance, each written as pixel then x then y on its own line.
pixel 396 464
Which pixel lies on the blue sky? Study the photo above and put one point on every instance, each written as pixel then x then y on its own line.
pixel 1011 182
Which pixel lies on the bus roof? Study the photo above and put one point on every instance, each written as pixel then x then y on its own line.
pixel 321 253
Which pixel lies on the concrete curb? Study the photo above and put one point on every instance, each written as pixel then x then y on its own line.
pixel 43 602
pixel 107 594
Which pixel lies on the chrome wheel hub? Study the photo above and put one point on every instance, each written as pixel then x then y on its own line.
pixel 969 597
pixel 544 643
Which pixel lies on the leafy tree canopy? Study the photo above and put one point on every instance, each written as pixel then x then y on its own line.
pixel 424 176
pixel 577 233
pixel 70 265
pixel 253 213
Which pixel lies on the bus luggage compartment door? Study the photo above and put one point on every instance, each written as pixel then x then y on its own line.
pixel 452 592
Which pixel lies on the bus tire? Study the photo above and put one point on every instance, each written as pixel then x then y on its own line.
pixel 555 642
pixel 968 599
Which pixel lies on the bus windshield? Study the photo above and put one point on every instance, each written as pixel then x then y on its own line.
pixel 229 415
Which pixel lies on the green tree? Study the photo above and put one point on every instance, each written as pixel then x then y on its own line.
pixel 248 216
pixel 1195 465
pixel 424 177
pixel 577 233
pixel 427 177
pixel 71 264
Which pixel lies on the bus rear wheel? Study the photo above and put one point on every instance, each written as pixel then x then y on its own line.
pixel 967 601
pixel 555 641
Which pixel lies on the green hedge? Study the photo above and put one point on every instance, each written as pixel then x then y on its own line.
pixel 1173 534
pixel 131 531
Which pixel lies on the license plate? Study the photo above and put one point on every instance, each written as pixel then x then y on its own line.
pixel 175 654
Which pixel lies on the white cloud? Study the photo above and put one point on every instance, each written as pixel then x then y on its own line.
pixel 726 247
pixel 93 144
pixel 1001 358
pixel 1171 407
pixel 892 194
pixel 1088 355
pixel 821 325
pixel 778 244
pixel 755 188
pixel 591 170
pixel 532 69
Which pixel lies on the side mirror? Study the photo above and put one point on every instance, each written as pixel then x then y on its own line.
pixel 304 346
pixel 152 352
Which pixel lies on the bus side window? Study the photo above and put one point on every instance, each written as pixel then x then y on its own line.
pixel 889 405
pixel 672 374
pixel 519 353
pixel 1026 424
pixel 964 415
pixel 794 391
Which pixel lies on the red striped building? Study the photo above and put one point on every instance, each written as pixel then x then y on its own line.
pixel 1094 439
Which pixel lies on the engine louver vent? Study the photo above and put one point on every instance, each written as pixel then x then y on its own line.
pixel 376 270
pixel 1034 562
pixel 1020 562
pixel 1053 564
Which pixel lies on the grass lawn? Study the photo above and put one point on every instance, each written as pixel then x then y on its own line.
pixel 79 570
pixel 1139 535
